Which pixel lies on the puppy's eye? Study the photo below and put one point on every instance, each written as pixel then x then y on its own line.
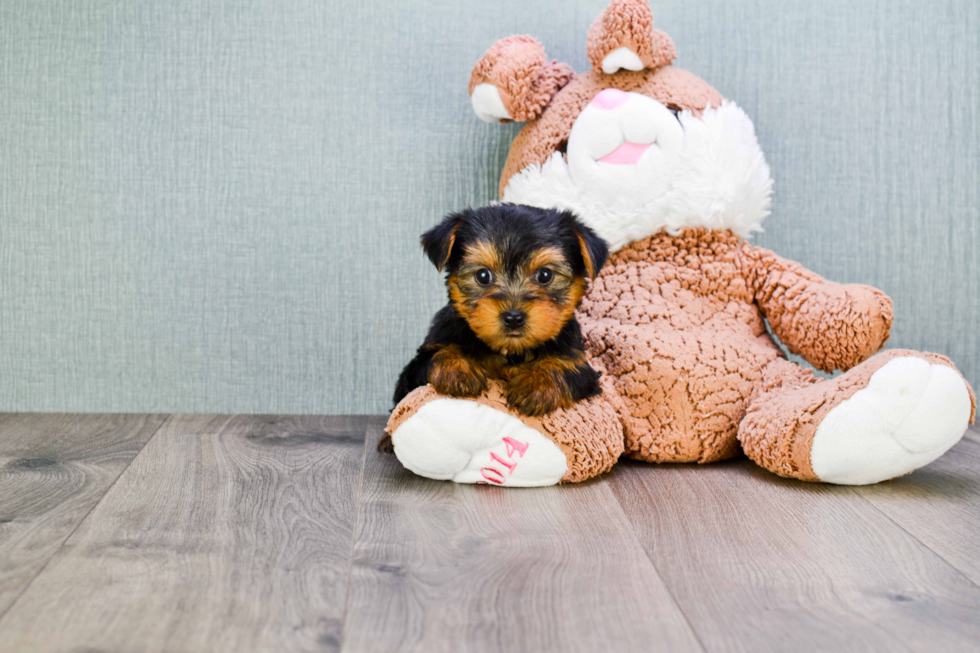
pixel 544 276
pixel 484 277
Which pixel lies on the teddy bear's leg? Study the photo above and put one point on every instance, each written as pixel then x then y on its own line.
pixel 892 414
pixel 484 441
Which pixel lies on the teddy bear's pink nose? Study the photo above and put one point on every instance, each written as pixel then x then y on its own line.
pixel 609 99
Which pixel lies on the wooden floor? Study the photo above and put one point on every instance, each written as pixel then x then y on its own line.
pixel 218 533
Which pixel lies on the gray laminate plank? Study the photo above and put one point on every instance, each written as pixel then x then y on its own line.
pixel 973 434
pixel 224 534
pixel 444 567
pixel 53 469
pixel 939 505
pixel 760 563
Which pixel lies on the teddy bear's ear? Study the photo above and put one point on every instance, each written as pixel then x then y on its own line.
pixel 623 37
pixel 514 80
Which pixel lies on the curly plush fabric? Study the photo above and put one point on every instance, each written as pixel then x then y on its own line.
pixel 629 24
pixel 676 320
pixel 526 81
pixel 831 325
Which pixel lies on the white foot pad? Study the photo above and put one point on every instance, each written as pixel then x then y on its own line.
pixel 910 413
pixel 466 442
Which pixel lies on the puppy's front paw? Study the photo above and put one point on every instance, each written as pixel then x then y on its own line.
pixel 537 393
pixel 457 376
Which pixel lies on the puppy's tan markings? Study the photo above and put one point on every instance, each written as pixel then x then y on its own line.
pixel 546 257
pixel 481 255
pixel 538 387
pixel 455 374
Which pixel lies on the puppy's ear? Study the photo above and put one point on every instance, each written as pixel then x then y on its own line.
pixel 438 242
pixel 594 250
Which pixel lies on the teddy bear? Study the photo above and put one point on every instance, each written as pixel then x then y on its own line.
pixel 682 319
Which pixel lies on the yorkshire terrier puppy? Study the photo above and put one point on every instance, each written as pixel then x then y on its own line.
pixel 516 274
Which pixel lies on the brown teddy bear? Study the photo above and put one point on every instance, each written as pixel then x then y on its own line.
pixel 671 175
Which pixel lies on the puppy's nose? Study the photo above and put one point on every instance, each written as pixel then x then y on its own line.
pixel 513 319
pixel 609 99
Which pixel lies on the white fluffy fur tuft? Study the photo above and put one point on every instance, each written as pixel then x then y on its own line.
pixel 722 181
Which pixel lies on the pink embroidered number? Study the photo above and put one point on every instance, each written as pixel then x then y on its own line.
pixel 513 445
pixel 506 463
pixel 492 475
pixel 497 476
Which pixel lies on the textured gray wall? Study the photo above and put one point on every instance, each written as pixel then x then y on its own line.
pixel 214 206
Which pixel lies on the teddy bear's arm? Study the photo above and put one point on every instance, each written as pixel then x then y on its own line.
pixel 831 325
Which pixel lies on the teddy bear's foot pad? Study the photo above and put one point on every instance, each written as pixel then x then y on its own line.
pixel 468 442
pixel 910 413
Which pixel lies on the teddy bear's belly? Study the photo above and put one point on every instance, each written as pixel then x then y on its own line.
pixel 684 385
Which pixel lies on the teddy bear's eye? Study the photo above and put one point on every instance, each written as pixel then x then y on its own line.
pixel 484 277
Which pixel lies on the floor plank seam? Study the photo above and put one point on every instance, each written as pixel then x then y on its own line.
pixel 636 538
pixel 81 521
pixel 353 537
pixel 906 531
